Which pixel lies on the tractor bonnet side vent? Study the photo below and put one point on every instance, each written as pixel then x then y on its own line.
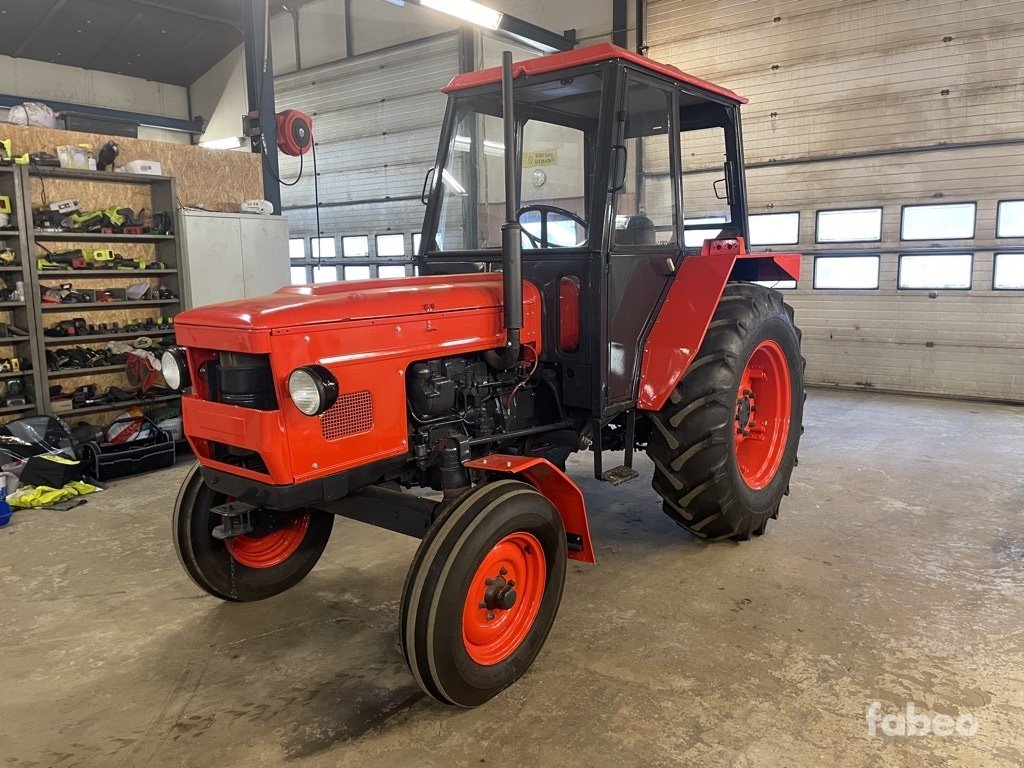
pixel 352 414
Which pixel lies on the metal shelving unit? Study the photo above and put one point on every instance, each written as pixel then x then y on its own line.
pixel 20 321
pixel 163 248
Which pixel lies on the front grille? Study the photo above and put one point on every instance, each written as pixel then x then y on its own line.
pixel 350 415
pixel 246 380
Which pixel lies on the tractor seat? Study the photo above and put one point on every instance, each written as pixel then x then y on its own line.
pixel 639 230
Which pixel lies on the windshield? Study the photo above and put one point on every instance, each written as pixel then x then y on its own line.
pixel 557 129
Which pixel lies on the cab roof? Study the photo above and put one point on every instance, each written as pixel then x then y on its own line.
pixel 590 55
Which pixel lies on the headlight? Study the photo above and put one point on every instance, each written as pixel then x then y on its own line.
pixel 313 389
pixel 174 366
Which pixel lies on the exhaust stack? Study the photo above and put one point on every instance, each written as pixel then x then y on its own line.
pixel 511 232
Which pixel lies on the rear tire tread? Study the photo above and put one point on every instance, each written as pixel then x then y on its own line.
pixel 691 445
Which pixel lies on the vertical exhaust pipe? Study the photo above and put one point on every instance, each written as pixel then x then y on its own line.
pixel 511 232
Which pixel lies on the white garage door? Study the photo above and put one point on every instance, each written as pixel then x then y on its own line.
pixel 885 141
pixel 376 120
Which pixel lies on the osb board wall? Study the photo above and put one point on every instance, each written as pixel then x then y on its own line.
pixel 217 179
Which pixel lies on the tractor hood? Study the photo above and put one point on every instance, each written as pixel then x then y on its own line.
pixel 305 305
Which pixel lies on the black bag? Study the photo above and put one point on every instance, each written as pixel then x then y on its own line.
pixel 106 461
pixel 41 470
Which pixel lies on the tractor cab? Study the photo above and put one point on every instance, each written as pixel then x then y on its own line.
pixel 623 167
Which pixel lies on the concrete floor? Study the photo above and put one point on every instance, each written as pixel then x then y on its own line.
pixel 894 575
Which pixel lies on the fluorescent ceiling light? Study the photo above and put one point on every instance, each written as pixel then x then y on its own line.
pixel 453 184
pixel 493 148
pixel 466 10
pixel 231 142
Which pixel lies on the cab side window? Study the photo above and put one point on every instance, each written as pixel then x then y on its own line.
pixel 644 207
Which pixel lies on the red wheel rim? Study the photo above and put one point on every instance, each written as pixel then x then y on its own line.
pixel 274 548
pixel 492 629
pixel 764 406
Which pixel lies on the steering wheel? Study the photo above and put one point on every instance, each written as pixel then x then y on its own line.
pixel 545 212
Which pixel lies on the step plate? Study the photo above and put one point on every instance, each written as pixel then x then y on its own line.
pixel 620 475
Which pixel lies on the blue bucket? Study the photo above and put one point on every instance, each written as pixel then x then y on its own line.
pixel 5 508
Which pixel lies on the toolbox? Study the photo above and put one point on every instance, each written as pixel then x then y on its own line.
pixel 153 449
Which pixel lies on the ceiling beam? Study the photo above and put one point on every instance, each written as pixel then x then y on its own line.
pixel 40 28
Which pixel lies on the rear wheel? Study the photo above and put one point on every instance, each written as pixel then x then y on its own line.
pixel 277 556
pixel 725 443
pixel 482 592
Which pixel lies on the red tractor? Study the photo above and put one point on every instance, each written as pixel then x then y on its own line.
pixel 565 301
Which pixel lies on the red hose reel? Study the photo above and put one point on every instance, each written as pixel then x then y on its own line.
pixel 294 132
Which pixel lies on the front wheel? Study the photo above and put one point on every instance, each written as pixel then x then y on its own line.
pixel 482 592
pixel 278 555
pixel 724 445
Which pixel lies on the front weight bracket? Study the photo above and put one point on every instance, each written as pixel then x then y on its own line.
pixel 237 517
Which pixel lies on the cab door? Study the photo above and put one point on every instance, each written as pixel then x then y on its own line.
pixel 644 245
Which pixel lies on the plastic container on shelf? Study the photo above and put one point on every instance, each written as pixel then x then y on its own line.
pixel 72 156
pixel 173 427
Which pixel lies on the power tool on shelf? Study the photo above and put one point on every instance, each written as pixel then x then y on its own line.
pixel 46 219
pixel 62 260
pixel 7 156
pixel 15 393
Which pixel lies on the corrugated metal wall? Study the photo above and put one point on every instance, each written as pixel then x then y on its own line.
pixel 878 103
pixel 377 118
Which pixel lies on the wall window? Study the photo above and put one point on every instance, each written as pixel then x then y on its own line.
pixel 694 238
pixel 390 245
pixel 355 246
pixel 853 225
pixel 938 222
pixel 299 276
pixel 1010 219
pixel 936 271
pixel 416 238
pixel 779 285
pixel 357 273
pixel 325 274
pixel 775 229
pixel 1008 272
pixel 322 247
pixel 391 270
pixel 846 272
pixel 296 248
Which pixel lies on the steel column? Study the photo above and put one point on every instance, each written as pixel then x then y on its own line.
pixel 259 81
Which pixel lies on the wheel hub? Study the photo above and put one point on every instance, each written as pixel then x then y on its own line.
pixel 272 538
pixel 744 407
pixel 763 411
pixel 504 598
pixel 500 594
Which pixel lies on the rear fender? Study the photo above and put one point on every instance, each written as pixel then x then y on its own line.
pixel 683 319
pixel 562 492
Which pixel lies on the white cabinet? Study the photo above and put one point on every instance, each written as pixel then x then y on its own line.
pixel 228 256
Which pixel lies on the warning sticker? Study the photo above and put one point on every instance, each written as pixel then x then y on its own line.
pixel 536 157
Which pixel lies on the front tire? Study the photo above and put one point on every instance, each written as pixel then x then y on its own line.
pixel 725 443
pixel 482 592
pixel 245 568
